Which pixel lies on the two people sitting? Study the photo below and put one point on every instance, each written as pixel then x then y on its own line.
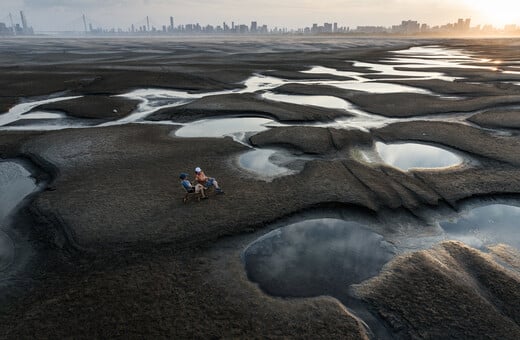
pixel 202 183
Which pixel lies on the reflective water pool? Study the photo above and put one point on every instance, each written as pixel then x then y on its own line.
pixel 486 225
pixel 44 115
pixel 261 162
pixel 389 69
pixel 316 257
pixel 322 101
pixel 411 155
pixel 17 112
pixel 15 185
pixel 238 127
pixel 434 51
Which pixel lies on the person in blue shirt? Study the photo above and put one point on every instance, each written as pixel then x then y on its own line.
pixel 198 188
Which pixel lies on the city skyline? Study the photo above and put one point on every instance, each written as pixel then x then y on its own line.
pixel 61 15
pixel 461 27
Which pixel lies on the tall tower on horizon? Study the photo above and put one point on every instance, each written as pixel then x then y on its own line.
pixel 24 22
pixel 12 24
pixel 85 23
pixel 171 24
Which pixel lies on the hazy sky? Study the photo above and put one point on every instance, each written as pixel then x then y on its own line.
pixel 45 15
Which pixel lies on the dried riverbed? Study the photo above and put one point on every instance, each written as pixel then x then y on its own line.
pixel 296 131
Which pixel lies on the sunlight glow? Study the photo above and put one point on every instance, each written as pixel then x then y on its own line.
pixel 497 12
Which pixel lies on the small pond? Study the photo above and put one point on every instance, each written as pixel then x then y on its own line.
pixel 316 257
pixel 266 163
pixel 406 156
pixel 239 127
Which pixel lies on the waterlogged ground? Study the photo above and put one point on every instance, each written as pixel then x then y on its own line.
pixel 355 169
pixel 27 116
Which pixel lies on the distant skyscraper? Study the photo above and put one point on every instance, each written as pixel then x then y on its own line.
pixel 171 24
pixel 12 24
pixel 24 22
pixel 327 27
pixel 84 23
pixel 254 27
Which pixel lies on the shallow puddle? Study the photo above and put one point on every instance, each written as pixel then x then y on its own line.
pixel 434 51
pixel 327 70
pixel 487 225
pixel 316 257
pixel 239 128
pixel 321 101
pixel 388 69
pixel 259 162
pixel 15 185
pixel 412 155
pixel 378 87
pixel 267 164
pixel 44 115
pixel 19 111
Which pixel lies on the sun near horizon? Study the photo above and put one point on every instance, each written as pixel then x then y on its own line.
pixel 498 12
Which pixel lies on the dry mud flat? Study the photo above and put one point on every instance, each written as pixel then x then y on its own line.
pixel 119 254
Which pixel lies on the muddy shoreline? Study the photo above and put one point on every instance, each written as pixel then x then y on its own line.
pixel 119 254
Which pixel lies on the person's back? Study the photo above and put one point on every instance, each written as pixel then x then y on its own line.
pixel 187 185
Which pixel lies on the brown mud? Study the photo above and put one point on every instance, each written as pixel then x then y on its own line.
pixel 119 254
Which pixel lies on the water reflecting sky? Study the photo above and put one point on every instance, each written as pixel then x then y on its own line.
pixel 316 257
pixel 412 155
pixel 15 184
pixel 221 127
pixel 259 161
pixel 487 225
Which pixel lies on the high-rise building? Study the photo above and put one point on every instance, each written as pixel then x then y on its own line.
pixel 171 24
pixel 24 22
pixel 327 27
pixel 24 29
pixel 254 27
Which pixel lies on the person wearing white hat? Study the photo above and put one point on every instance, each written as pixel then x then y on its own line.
pixel 206 181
